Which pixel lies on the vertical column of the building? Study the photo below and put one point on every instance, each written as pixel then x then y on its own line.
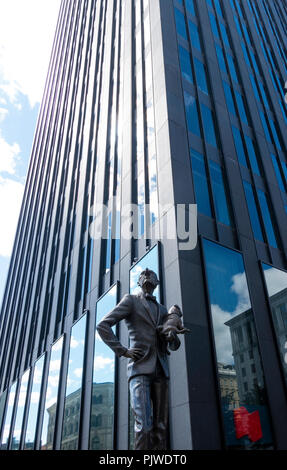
pixel 28 224
pixel 126 254
pixel 174 181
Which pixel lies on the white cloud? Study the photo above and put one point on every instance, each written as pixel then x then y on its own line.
pixel 102 362
pixel 11 194
pixel 8 154
pixel 26 35
pixel 276 280
pixel 3 113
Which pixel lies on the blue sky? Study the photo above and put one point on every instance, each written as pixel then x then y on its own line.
pixel 26 34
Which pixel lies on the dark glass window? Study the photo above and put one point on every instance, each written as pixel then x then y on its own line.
pixel 231 310
pixel 241 107
pixel 239 146
pixel 277 172
pixel 221 59
pixel 200 76
pixel 229 98
pixel 252 155
pixel 253 213
pixel 194 35
pixel 267 218
pixel 200 183
pixel 180 23
pixel 191 114
pixel 190 6
pixel 265 126
pixel 185 64
pixel 276 283
pixel 232 68
pixel 224 35
pixel 219 193
pixel 103 387
pixel 213 25
pixel 208 125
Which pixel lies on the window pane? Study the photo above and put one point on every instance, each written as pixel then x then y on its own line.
pixel 267 218
pixel 20 411
pixel 221 59
pixel 190 6
pixel 232 68
pixel 51 400
pixel 185 64
pixel 241 380
pixel 194 36
pixel 191 114
pixel 200 183
pixel 34 405
pixel 229 98
pixel 180 23
pixel 200 76
pixel 241 107
pixel 277 172
pixel 103 391
pixel 239 146
pixel 252 155
pixel 213 25
pixel 7 422
pixel 276 282
pixel 253 214
pixel 208 125
pixel 219 194
pixel 72 406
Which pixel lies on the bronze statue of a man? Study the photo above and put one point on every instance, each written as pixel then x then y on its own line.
pixel 147 367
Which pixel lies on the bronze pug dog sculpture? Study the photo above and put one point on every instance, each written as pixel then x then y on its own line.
pixel 173 324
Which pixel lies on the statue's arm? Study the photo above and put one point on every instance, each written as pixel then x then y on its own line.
pixel 121 311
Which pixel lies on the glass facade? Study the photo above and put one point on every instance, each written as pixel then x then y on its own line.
pixel 240 373
pixel 153 103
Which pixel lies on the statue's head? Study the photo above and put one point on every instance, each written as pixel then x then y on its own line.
pixel 148 280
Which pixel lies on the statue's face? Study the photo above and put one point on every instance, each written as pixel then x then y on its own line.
pixel 148 288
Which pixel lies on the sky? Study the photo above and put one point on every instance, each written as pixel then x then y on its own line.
pixel 27 30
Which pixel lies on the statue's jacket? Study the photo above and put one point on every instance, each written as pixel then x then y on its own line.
pixel 142 328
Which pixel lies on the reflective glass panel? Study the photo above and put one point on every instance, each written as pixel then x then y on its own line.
pixel 185 64
pixel 2 405
pixel 20 411
pixel 34 404
pixel 200 76
pixel 200 182
pixel 276 282
pixel 50 409
pixel 219 193
pixel 194 35
pixel 191 114
pixel 9 411
pixel 150 261
pixel 267 218
pixel 253 213
pixel 103 391
pixel 72 406
pixel 180 23
pixel 241 381
pixel 208 125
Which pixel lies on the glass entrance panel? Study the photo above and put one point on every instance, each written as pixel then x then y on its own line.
pixel 103 390
pixel 241 380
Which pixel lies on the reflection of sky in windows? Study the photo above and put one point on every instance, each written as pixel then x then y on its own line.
pixel 104 358
pixel 34 402
pixel 20 410
pixel 228 292
pixel 150 261
pixel 276 280
pixel 52 387
pixel 76 357
pixel 9 414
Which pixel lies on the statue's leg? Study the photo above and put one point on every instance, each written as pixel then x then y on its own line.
pixel 160 413
pixel 140 395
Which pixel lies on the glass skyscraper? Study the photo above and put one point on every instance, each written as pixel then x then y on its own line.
pixel 159 104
